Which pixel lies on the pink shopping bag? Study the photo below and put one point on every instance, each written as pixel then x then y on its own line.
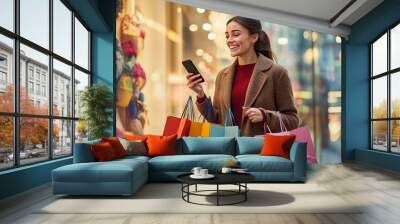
pixel 303 135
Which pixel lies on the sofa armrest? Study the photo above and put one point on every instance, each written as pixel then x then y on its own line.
pixel 298 155
pixel 83 152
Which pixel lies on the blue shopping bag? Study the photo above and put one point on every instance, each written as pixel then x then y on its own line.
pixel 224 130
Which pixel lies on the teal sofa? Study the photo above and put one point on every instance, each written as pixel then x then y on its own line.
pixel 125 176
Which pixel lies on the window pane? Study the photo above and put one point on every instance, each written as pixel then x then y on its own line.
pixel 395 94
pixel 7 14
pixel 6 142
pixel 81 131
pixel 62 29
pixel 6 74
pixel 395 47
pixel 379 135
pixel 62 141
pixel 81 81
pixel 33 140
pixel 81 45
pixel 379 55
pixel 62 89
pixel 395 138
pixel 35 21
pixel 379 97
pixel 34 72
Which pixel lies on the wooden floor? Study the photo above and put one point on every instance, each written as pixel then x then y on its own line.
pixel 377 188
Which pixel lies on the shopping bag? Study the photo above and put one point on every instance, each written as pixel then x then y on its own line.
pixel 180 125
pixel 224 130
pixel 302 135
pixel 205 129
pixel 199 128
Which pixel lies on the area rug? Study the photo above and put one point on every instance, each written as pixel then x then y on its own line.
pixel 167 198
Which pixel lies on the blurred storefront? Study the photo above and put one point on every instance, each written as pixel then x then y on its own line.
pixel 166 33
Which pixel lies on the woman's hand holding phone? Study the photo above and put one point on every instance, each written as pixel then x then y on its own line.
pixel 193 82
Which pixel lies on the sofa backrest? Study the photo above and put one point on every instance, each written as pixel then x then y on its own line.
pixel 249 145
pixel 83 152
pixel 210 145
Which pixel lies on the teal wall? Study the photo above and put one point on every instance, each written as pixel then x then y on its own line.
pixel 24 178
pixel 99 16
pixel 356 98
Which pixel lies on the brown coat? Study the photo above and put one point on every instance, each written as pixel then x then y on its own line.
pixel 269 88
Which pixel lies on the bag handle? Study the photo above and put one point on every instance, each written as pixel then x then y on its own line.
pixel 230 115
pixel 189 106
pixel 281 124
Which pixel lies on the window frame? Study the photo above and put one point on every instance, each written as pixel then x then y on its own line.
pixel 388 74
pixel 16 115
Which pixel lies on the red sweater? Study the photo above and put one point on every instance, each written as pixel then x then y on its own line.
pixel 239 88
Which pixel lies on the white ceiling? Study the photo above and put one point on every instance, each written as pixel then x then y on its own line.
pixel 316 15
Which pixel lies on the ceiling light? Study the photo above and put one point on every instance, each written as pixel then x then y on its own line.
pixel 193 28
pixel 199 52
pixel 211 36
pixel 282 41
pixel 206 26
pixel 338 39
pixel 200 10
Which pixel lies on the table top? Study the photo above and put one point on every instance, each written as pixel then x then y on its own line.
pixel 220 178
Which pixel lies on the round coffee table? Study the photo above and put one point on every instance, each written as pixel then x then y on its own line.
pixel 238 179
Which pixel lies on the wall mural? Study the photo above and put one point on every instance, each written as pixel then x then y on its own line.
pixel 131 78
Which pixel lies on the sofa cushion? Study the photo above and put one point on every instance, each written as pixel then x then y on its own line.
pixel 277 145
pixel 210 145
pixel 134 147
pixel 116 145
pixel 161 145
pixel 257 163
pixel 185 163
pixel 103 152
pixel 249 145
pixel 112 171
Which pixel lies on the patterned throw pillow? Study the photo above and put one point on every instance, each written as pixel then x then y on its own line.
pixel 134 147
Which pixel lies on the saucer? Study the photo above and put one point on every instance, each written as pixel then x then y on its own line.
pixel 208 176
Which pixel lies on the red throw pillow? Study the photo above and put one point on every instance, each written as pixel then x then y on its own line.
pixel 161 145
pixel 103 152
pixel 277 145
pixel 116 145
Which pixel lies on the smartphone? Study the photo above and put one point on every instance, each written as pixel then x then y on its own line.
pixel 191 68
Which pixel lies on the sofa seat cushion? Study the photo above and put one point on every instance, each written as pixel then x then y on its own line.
pixel 257 163
pixel 112 171
pixel 185 163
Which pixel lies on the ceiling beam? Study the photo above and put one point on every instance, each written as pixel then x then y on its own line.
pixel 346 12
pixel 270 15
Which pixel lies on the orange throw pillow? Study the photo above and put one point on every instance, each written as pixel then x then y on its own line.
pixel 161 145
pixel 277 145
pixel 116 145
pixel 103 152
pixel 132 137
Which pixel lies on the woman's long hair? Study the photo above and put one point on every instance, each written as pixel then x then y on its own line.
pixel 263 44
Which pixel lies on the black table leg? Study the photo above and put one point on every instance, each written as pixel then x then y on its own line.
pixel 217 194
pixel 245 193
pixel 196 188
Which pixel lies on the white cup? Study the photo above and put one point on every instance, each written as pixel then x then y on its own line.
pixel 203 172
pixel 196 170
pixel 226 170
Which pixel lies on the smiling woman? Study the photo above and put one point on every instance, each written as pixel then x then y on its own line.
pixel 254 86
